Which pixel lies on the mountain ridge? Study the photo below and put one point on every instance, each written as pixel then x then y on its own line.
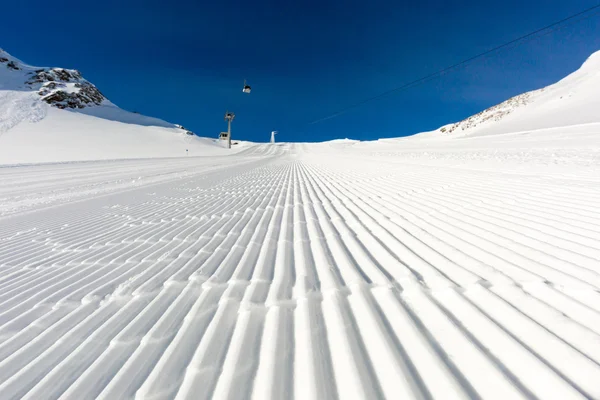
pixel 58 87
pixel 573 100
pixel 56 115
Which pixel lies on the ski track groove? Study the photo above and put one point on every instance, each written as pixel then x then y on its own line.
pixel 293 275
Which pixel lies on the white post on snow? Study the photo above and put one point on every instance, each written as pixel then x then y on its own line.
pixel 273 136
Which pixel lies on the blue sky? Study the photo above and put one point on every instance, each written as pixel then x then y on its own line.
pixel 185 61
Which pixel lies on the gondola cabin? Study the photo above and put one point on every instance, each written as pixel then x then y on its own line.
pixel 246 88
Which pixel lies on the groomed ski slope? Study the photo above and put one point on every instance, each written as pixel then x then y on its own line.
pixel 424 269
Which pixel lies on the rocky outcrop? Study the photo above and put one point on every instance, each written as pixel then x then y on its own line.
pixel 187 132
pixel 55 75
pixel 12 65
pixel 495 113
pixel 65 88
pixel 59 87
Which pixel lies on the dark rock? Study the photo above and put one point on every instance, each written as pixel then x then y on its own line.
pixel 12 65
pixel 87 95
pixel 54 79
pixel 55 74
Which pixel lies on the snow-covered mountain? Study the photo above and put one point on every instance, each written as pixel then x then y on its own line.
pixel 574 100
pixel 54 114
pixel 59 87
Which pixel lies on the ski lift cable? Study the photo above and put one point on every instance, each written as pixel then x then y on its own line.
pixel 517 41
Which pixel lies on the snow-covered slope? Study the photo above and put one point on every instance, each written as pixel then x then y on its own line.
pixel 316 271
pixel 429 267
pixel 572 101
pixel 59 87
pixel 54 114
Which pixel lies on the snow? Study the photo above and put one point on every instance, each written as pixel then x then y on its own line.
pixel 31 131
pixel 64 135
pixel 303 271
pixel 571 101
pixel 443 266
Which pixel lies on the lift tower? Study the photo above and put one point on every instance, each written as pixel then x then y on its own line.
pixel 229 116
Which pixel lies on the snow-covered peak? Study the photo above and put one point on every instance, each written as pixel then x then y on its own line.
pixel 59 87
pixel 26 92
pixel 592 62
pixel 55 114
pixel 573 100
pixel 5 57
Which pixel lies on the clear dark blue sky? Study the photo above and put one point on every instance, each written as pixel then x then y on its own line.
pixel 185 61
